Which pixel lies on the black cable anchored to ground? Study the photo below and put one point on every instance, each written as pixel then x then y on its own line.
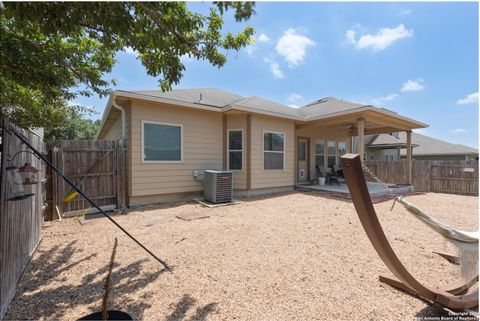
pixel 25 141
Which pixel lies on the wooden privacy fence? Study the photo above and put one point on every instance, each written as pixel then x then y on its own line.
pixel 98 168
pixel 21 220
pixel 452 177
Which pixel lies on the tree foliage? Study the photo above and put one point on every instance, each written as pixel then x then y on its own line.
pixel 74 126
pixel 52 52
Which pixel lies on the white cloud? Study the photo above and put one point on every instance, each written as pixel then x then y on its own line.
pixel 350 37
pixel 292 46
pixel 459 131
pixel 293 106
pixel 294 97
pixel 405 12
pixel 470 99
pixel 263 38
pixel 379 100
pixel 275 68
pixel 249 49
pixel 130 51
pixel 413 85
pixel 383 39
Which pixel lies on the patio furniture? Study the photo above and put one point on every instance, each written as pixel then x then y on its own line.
pixel 451 296
pixel 337 174
pixel 323 173
pixel 337 170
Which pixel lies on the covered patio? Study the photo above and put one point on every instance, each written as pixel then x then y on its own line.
pixel 341 189
pixel 340 128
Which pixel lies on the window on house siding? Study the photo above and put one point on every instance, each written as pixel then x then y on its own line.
pixel 235 149
pixel 320 152
pixel 342 150
pixel 331 153
pixel 162 142
pixel 273 150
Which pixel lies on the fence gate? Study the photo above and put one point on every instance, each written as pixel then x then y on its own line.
pixel 96 167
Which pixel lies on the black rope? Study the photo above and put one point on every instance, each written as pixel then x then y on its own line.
pixel 69 182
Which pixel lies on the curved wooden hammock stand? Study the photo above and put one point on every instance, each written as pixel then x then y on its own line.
pixel 449 297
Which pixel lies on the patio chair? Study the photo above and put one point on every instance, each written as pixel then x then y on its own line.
pixel 323 173
pixel 452 296
pixel 338 173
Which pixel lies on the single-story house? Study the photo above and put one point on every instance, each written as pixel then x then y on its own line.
pixel 270 147
pixel 384 146
pixel 429 148
pixel 392 146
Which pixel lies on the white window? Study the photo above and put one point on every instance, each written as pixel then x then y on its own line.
pixel 319 152
pixel 162 142
pixel 235 149
pixel 331 153
pixel 342 150
pixel 273 150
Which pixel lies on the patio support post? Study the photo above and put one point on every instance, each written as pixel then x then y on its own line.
pixel 409 157
pixel 360 140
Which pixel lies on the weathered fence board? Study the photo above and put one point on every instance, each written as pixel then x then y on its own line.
pixel 96 167
pixel 452 177
pixel 21 220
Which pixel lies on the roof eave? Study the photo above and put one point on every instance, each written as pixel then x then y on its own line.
pixel 105 115
pixel 416 124
pixel 263 112
pixel 137 96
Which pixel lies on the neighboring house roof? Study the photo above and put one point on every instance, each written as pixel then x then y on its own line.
pixel 432 146
pixel 219 100
pixel 384 141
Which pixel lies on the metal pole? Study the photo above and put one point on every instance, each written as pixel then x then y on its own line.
pixel 69 182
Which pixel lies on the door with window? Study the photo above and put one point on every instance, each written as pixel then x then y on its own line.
pixel 302 160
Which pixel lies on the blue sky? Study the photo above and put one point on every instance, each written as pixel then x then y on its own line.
pixel 417 59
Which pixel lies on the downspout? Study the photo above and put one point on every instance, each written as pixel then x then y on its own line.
pixel 124 120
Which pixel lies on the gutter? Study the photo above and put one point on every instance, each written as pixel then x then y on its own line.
pixel 112 103
pixel 124 119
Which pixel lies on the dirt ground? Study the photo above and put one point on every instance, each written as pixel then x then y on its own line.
pixel 292 256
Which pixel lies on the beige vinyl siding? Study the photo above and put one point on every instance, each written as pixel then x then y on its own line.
pixel 202 149
pixel 323 133
pixel 239 122
pixel 272 178
pixel 115 131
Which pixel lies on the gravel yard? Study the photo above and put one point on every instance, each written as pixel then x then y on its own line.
pixel 291 256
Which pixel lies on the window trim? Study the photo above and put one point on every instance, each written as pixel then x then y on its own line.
pixel 235 150
pixel 324 148
pixel 335 155
pixel 143 161
pixel 273 151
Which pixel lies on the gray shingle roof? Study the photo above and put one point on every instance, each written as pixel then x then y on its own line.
pixel 220 98
pixel 327 105
pixel 429 145
pixel 269 106
pixel 382 140
pixel 204 96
